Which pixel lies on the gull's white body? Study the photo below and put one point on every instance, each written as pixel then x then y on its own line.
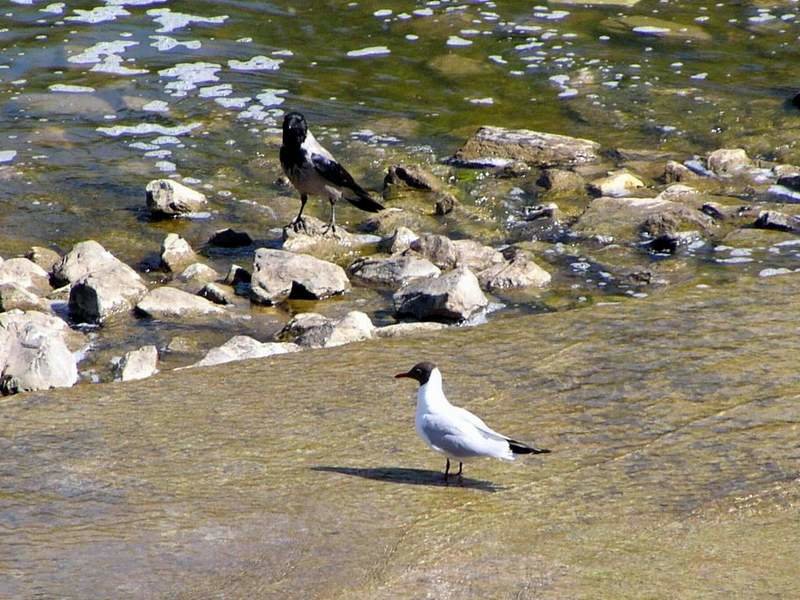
pixel 454 431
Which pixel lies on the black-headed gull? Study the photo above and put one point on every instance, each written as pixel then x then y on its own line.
pixel 313 170
pixel 454 431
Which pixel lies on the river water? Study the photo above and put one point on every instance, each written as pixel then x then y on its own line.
pixel 672 418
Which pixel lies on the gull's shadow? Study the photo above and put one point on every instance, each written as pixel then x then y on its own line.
pixel 411 477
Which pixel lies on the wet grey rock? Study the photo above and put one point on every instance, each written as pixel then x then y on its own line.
pixel 438 249
pixel 243 347
pixel 197 275
pixel 46 258
pixel 98 296
pixel 229 238
pixel 14 296
pixel 172 303
pixel 176 253
pixel 389 219
pixel 355 326
pixel 168 197
pixel 497 146
pixel 315 235
pixel 519 272
pixel 728 161
pixel 444 203
pixel 781 193
pixel 391 272
pixel 34 353
pixel 25 274
pixel 217 294
pixel 412 176
pixel 455 296
pixel 237 275
pixel 772 219
pixel 626 218
pixel 475 255
pixel 675 172
pixel 138 364
pixel 790 181
pixel 643 25
pixel 561 181
pixel 301 323
pixel 84 258
pixel 399 241
pixel 279 275
pixel 616 185
pixel 408 329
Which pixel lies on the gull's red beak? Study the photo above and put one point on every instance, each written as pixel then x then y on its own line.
pixel 399 375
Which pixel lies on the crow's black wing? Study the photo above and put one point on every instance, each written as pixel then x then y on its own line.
pixel 335 173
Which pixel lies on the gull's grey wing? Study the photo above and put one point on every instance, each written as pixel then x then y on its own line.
pixel 461 439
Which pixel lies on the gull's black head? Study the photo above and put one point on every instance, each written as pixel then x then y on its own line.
pixel 420 371
pixel 295 128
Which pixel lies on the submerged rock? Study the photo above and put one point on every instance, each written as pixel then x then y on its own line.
pixel 411 176
pixel 243 347
pixel 176 253
pixel 168 197
pixel 278 275
pixel 497 146
pixel 316 239
pixel 454 296
pixel 408 329
pixel 138 364
pixel 393 271
pixel 34 353
pixel 172 303
pixel 561 181
pixel 624 218
pixel 438 249
pixel 444 203
pixel 653 27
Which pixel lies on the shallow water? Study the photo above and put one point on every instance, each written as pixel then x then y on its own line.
pixel 674 468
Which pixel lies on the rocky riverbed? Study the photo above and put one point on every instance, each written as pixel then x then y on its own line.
pixel 595 225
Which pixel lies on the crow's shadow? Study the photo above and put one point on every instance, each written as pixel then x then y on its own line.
pixel 412 477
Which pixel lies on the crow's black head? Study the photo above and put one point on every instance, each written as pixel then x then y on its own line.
pixel 420 371
pixel 294 128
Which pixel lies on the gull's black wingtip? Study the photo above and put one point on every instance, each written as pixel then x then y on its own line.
pixel 520 448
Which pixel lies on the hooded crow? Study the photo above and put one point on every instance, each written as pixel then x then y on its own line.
pixel 313 170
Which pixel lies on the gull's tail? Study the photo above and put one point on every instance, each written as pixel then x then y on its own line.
pixel 520 448
pixel 363 200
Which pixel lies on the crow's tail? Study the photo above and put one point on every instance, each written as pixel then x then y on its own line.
pixel 364 201
pixel 520 448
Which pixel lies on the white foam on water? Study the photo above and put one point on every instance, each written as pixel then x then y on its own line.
pixel 170 21
pixel 100 51
pixel 98 14
pixel 71 89
pixel 147 129
pixel 285 52
pixel 774 272
pixel 156 106
pixel 233 103
pixel 56 8
pixel 7 155
pixel 257 63
pixel 371 51
pixel 166 140
pixel 216 91
pixel 166 166
pixel 485 101
pixel 271 97
pixel 651 30
pixel 457 41
pixel 164 43
pixel 189 75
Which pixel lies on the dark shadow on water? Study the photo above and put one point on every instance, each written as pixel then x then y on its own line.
pixel 412 477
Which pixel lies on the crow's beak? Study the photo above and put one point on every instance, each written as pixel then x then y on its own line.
pixel 399 375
